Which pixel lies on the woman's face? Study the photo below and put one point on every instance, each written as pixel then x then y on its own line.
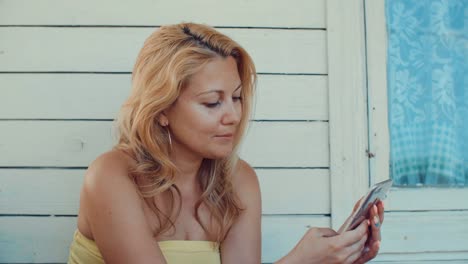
pixel 205 118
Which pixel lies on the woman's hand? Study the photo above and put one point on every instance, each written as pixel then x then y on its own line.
pixel 324 245
pixel 376 216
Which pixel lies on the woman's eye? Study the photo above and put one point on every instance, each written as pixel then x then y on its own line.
pixel 213 105
pixel 237 98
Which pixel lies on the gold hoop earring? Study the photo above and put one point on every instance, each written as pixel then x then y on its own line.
pixel 169 136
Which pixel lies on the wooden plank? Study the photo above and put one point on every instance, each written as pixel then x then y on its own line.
pixel 56 191
pixel 426 199
pixel 259 13
pixel 287 144
pixel 283 97
pixel 281 233
pixel 406 232
pixel 53 143
pixel 99 96
pixel 299 191
pixel 348 106
pixel 424 236
pixel 443 258
pixel 115 49
pixel 47 239
pixel 77 143
pixel 35 239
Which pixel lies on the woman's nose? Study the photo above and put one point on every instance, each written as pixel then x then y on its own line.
pixel 232 114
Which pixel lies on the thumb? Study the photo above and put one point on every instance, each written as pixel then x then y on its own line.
pixel 327 232
pixel 356 206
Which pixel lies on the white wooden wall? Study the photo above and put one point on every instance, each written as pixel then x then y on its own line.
pixel 65 69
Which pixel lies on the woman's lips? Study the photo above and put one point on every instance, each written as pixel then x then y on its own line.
pixel 229 135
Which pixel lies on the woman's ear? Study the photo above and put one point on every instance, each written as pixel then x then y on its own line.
pixel 163 121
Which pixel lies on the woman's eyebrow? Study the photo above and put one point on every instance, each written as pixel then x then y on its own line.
pixel 218 91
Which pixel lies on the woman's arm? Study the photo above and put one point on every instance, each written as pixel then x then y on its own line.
pixel 115 213
pixel 243 242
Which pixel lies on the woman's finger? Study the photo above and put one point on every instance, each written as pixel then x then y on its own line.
pixel 369 253
pixel 353 258
pixel 326 232
pixel 355 250
pixel 375 224
pixel 381 209
pixel 375 229
pixel 351 237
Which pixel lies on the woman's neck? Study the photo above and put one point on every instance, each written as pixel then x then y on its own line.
pixel 187 165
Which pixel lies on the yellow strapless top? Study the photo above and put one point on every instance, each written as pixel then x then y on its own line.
pixel 85 251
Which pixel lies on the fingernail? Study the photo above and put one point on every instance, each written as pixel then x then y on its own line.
pixel 376 221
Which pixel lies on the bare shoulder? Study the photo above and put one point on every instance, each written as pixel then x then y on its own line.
pixel 243 174
pixel 114 214
pixel 245 182
pixel 112 162
pixel 108 169
pixel 106 182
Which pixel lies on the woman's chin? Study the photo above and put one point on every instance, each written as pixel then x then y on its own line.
pixel 220 154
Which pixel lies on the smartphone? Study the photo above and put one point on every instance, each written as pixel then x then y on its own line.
pixel 376 193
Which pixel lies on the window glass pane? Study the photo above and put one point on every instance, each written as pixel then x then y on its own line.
pixel 428 92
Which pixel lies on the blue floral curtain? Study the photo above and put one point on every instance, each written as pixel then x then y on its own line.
pixel 427 91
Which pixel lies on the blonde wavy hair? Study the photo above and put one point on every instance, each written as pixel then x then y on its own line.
pixel 169 57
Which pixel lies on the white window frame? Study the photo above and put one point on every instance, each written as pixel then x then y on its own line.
pixel 348 132
pixel 400 199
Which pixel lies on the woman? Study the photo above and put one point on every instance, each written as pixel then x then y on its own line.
pixel 173 189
